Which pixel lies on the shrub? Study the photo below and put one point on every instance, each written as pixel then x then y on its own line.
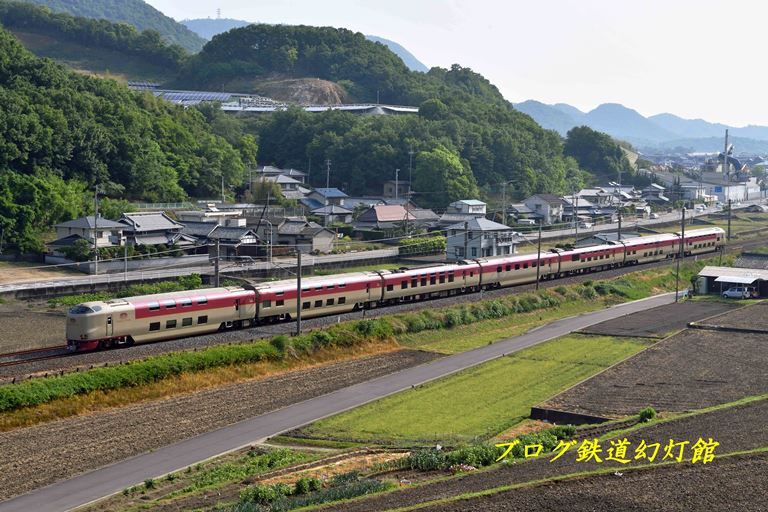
pixel 587 292
pixel 563 431
pixel 265 494
pixel 306 485
pixel 427 459
pixel 149 483
pixel 647 414
pixel 475 455
pixel 279 342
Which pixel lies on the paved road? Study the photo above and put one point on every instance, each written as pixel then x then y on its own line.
pixel 112 479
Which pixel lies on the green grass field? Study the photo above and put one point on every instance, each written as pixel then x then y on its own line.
pixel 480 402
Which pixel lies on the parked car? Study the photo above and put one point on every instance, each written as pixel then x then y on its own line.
pixel 739 292
pixel 526 222
pixel 585 225
pixel 654 215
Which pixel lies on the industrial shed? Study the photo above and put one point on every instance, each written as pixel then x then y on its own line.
pixel 718 279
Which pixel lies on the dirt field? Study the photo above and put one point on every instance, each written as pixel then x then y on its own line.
pixel 13 272
pixel 754 318
pixel 24 327
pixel 725 485
pixel 659 322
pixel 40 455
pixel 691 370
pixel 736 429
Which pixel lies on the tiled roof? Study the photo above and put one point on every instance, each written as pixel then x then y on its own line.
pixel 90 222
pixel 330 192
pixel 66 241
pixel 150 221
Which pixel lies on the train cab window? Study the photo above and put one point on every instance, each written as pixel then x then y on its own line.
pixel 170 324
pixel 279 302
pixel 305 305
pixel 318 303
pixel 266 304
pixel 154 326
pixel 342 300
pixel 185 303
pixel 186 322
pixel 202 300
pixel 329 302
pixel 154 306
pixel 390 287
pixel 202 319
pixel 404 285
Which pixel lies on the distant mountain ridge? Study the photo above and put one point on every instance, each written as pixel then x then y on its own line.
pixel 661 131
pixel 133 12
pixel 209 27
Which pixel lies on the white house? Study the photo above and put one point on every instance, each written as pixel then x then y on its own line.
pixel 548 207
pixel 479 238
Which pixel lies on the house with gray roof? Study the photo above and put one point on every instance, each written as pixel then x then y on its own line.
pixel 104 232
pixel 480 238
pixel 333 214
pixel 287 233
pixel 328 196
pixel 548 207
pixel 154 228
pixel 270 171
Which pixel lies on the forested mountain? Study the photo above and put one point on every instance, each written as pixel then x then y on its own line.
pixel 62 133
pixel 95 35
pixel 209 27
pixel 134 12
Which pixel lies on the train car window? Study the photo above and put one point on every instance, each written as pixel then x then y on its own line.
pixel 342 285
pixel 170 324
pixel 331 286
pixel 471 274
pixel 202 319
pixel 517 266
pixel 575 257
pixel 305 305
pixel 318 303
pixel 525 265
pixel 154 306
pixel 342 300
pixel 390 287
pixel 186 322
pixel 404 285
pixel 329 302
pixel 266 304
pixel 280 293
pixel 432 280
pixel 423 281
pixel 450 278
pixel 280 302
pixel 442 279
pixel 318 287
pixel 509 267
pixel 185 302
pixel 533 264
pixel 414 283
pixel 202 300
pixel 154 326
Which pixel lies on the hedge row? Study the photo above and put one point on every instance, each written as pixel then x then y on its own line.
pixel 421 245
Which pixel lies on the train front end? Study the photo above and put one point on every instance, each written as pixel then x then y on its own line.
pixel 85 326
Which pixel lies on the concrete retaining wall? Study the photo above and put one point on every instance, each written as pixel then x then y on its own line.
pixel 564 417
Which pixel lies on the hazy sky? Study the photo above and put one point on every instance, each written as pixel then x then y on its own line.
pixel 693 58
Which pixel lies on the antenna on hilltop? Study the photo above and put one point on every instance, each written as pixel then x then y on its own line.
pixel 218 13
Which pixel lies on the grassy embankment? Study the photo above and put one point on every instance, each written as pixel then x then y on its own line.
pixel 160 376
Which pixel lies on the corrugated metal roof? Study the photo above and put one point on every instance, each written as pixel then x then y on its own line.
pixel 734 273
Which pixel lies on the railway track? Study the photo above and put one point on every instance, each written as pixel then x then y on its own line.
pixel 34 365
pixel 33 355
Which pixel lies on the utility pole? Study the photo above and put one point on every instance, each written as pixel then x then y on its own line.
pixel 504 203
pixel 298 291
pixel 96 230
pixel 730 210
pixel 397 182
pixel 538 260
pixel 216 263
pixel 410 171
pixel 576 224
pixel 680 256
pixel 327 186
pixel 125 262
pixel 618 235
pixel 727 175
pixel 222 189
pixel 466 239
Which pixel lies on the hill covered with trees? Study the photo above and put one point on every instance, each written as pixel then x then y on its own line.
pixel 63 133
pixel 134 12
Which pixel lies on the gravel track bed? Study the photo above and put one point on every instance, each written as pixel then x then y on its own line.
pixel 736 429
pixel 85 360
pixel 691 370
pixel 43 454
pixel 725 485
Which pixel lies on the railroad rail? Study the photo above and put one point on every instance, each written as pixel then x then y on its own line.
pixel 33 355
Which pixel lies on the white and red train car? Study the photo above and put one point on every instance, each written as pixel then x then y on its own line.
pixel 164 316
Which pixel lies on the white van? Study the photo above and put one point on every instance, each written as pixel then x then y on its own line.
pixel 526 222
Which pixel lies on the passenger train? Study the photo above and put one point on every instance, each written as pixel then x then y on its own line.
pixel 104 324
